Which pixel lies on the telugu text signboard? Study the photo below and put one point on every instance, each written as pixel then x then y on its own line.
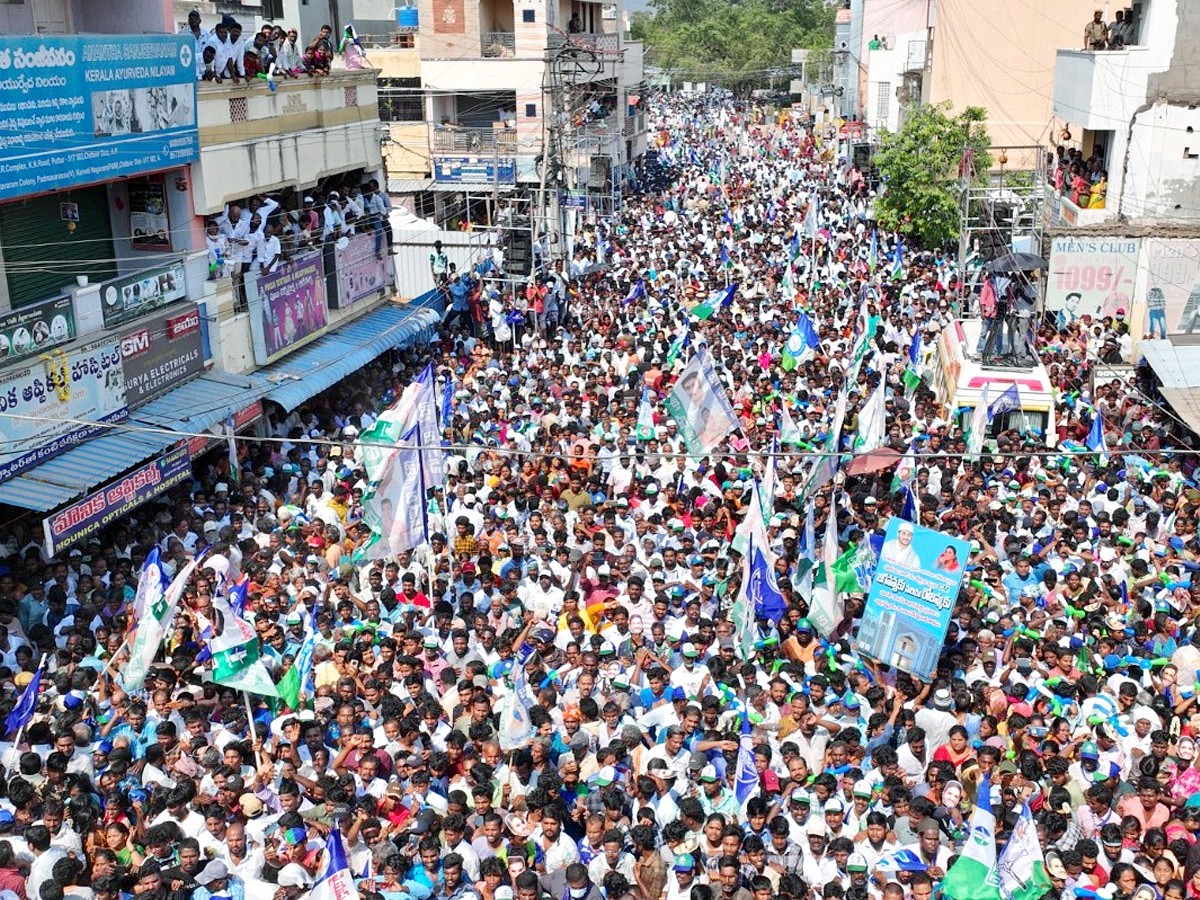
pixel 55 402
pixel 77 110
pixel 80 520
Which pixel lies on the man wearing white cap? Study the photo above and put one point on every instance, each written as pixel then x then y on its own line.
pixel 899 550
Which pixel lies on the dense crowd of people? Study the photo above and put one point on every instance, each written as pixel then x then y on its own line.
pixel 581 568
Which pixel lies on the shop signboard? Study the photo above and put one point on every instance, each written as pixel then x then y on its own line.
pixel 82 519
pixel 475 170
pixel 288 306
pixel 1172 286
pixel 80 109
pixel 360 272
pixel 130 296
pixel 50 404
pixel 162 353
pixel 30 330
pixel 1092 275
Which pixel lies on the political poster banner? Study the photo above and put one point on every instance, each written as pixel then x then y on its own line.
pixel 58 401
pixel 360 272
pixel 149 220
pixel 82 519
pixel 78 109
pixel 912 596
pixel 700 407
pixel 288 306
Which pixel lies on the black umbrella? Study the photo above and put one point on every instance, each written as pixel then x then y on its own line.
pixel 1015 262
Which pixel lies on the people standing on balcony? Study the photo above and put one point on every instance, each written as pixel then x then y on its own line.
pixel 289 55
pixel 1116 32
pixel 236 48
pixel 1095 33
pixel 439 264
pixel 202 36
pixel 575 26
pixel 379 209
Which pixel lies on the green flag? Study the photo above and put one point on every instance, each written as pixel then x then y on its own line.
pixel 289 687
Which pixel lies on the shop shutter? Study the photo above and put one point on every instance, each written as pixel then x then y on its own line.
pixel 40 255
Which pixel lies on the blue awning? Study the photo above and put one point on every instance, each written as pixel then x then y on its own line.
pixel 151 429
pixel 333 356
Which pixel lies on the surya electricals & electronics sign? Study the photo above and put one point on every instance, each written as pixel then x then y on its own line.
pixel 76 110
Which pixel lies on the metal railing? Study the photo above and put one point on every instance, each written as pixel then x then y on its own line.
pixel 597 42
pixel 497 44
pixel 444 139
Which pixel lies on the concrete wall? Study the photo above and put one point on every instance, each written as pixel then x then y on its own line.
pixel 1163 181
pixel 293 136
pixel 1181 80
pixel 1000 55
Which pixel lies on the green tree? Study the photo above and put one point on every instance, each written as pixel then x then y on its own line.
pixel 735 43
pixel 920 167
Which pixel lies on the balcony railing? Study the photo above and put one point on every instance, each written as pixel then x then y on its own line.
pixel 597 42
pixel 451 139
pixel 497 44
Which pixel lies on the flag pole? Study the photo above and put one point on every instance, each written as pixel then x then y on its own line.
pixel 250 726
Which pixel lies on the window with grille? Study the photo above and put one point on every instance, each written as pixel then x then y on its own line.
pixel 351 95
pixel 883 103
pixel 238 111
pixel 401 100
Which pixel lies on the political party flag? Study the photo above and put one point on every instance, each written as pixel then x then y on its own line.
pixel 516 728
pixel 747 774
pixel 758 582
pixel 289 687
pixel 637 292
pixel 873 256
pixel 804 584
pixel 974 875
pixel 447 410
pixel 336 882
pixel 789 432
pixel 826 608
pixel 911 510
pixel 717 301
pixel 680 343
pixel 700 407
pixel 897 257
pixel 902 861
pixel 231 443
pixel 237 594
pixel 723 257
pixel 1095 439
pixel 1021 866
pixel 1006 402
pixel 397 501
pixel 810 218
pixel 152 583
pixel 645 419
pixel 155 622
pixel 802 344
pixel 770 478
pixel 978 427
pixel 872 422
pixel 26 703
pixel 235 653
pixel 914 349
pixel 906 469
